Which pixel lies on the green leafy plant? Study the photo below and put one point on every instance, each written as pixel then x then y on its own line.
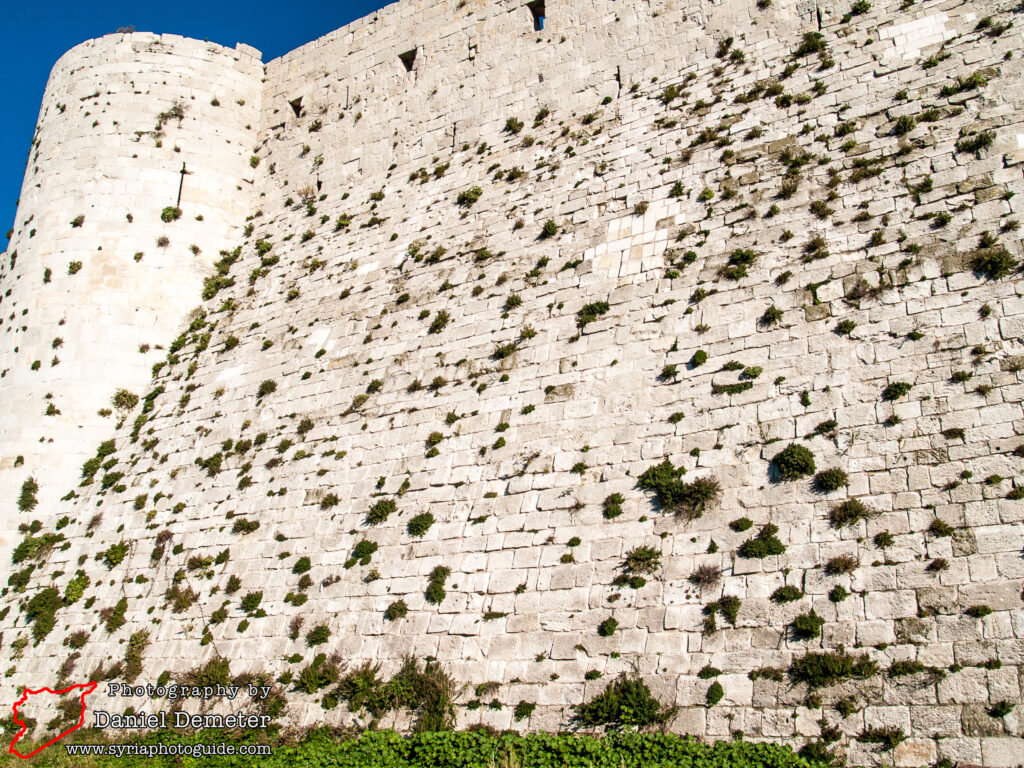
pixel 896 390
pixel 468 197
pixel 397 610
pixel 243 525
pixel 728 606
pixel 626 701
pixel 114 554
pixel 607 627
pixel 123 400
pixel 76 588
pixel 590 312
pixel 889 738
pixel 764 544
pixel 837 594
pixel 612 506
pixel 437 748
pixel 642 559
pixel 772 316
pixel 883 539
pixel 812 42
pixel 318 674
pixel 830 480
pixel 439 322
pixel 251 603
pixel 420 524
pixel 113 618
pixel 739 260
pixel 993 262
pixel 841 564
pixel 41 611
pixel 848 513
pixel 807 626
pixel 786 594
pixel 689 500
pixel 427 691
pixel 436 593
pixel 902 668
pixel 523 710
pixel 363 551
pixel 793 462
pixel 319 635
pixel 27 500
pixel 975 142
pixel 818 670
pixel 380 511
pixel 715 694
pixel 904 124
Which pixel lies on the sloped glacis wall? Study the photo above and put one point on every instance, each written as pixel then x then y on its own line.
pixel 671 341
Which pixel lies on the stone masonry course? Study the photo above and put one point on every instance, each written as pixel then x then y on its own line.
pixel 520 349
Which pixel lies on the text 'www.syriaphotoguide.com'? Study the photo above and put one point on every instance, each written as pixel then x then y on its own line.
pixel 161 750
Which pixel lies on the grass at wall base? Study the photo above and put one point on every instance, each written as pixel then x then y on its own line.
pixel 322 747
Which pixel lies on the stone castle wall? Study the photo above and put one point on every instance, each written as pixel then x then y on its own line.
pixel 385 340
pixel 95 154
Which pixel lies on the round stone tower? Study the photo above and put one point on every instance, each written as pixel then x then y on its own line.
pixel 138 174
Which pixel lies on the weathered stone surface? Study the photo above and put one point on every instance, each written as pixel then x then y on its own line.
pixel 978 722
pixel 447 351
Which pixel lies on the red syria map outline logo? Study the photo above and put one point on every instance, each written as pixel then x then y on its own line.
pixel 87 688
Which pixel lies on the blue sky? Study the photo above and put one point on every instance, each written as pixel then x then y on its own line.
pixel 37 35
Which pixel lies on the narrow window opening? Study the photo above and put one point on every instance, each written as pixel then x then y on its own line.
pixel 408 59
pixel 296 106
pixel 537 9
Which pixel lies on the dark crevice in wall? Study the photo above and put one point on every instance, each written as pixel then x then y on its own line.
pixel 408 59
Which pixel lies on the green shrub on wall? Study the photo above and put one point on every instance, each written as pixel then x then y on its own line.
pixel 170 213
